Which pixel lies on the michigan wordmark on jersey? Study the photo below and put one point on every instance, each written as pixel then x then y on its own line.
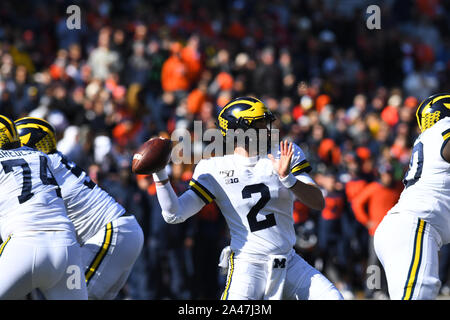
pixel 427 182
pixel 31 198
pixel 256 206
pixel 89 207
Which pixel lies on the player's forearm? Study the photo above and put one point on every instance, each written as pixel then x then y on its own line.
pixel 168 201
pixel 175 209
pixel 304 189
pixel 309 194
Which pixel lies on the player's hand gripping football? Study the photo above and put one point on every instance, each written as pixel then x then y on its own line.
pixel 282 165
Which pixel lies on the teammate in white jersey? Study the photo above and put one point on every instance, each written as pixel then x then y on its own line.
pixel 39 249
pixel 111 239
pixel 408 239
pixel 255 194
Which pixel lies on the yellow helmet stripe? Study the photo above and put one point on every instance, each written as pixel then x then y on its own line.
pixel 28 121
pixel 242 101
pixel 252 104
pixel 37 126
pixel 255 110
pixel 24 139
pixel 440 98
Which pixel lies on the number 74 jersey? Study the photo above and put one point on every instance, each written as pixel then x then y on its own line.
pixel 256 206
pixel 427 181
pixel 30 198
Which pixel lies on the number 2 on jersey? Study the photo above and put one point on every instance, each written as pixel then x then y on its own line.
pixel 26 194
pixel 269 220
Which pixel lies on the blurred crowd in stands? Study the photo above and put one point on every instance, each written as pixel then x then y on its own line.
pixel 136 69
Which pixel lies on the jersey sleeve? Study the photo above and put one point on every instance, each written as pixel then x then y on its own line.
pixel 202 182
pixel 299 163
pixel 446 137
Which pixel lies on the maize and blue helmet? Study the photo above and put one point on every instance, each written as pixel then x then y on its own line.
pixel 37 134
pixel 433 109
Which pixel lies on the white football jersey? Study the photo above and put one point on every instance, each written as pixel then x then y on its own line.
pixel 256 206
pixel 30 198
pixel 89 207
pixel 427 182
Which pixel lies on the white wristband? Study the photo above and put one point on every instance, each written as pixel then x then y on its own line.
pixel 288 181
pixel 160 175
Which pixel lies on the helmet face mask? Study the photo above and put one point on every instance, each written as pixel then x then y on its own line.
pixel 433 109
pixel 37 134
pixel 9 139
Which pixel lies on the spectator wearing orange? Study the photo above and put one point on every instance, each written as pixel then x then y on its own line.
pixel 125 132
pixel 175 73
pixel 400 150
pixel 355 183
pixel 390 115
pixel 191 56
pixel 321 101
pixel 332 238
pixel 196 98
pixel 329 152
pixel 353 187
pixel 379 197
pixel 305 232
pixel 370 206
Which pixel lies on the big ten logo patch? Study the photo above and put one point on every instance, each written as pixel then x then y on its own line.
pixel 228 175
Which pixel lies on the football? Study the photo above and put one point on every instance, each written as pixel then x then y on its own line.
pixel 152 156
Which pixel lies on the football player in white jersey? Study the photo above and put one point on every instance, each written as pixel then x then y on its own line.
pixel 255 193
pixel 110 238
pixel 39 249
pixel 408 239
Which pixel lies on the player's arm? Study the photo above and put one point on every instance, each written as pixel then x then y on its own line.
pixel 309 194
pixel 304 187
pixel 178 209
pixel 175 209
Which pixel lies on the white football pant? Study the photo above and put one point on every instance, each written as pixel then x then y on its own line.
pixel 48 261
pixel 291 279
pixel 109 256
pixel 408 250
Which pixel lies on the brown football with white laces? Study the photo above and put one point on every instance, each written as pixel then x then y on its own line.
pixel 152 156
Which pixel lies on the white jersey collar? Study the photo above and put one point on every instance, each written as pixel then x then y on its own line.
pixel 246 161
